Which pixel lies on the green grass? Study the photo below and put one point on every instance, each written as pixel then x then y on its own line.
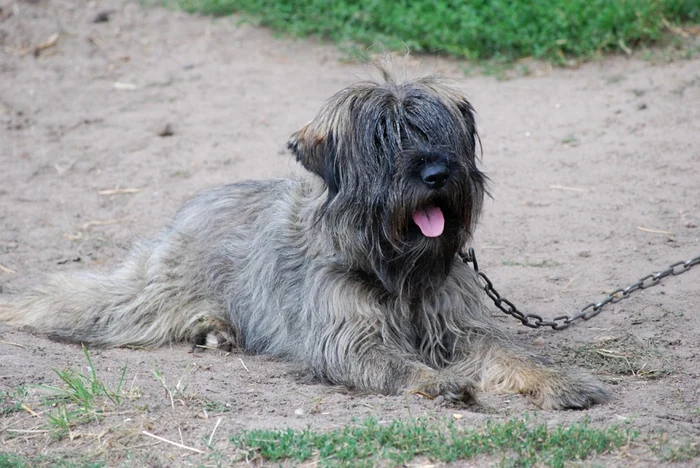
pixel 81 399
pixel 10 460
pixel 11 400
pixel 478 29
pixel 81 389
pixel 515 442
pixel 677 453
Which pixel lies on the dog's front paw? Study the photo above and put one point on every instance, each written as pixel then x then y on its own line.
pixel 567 390
pixel 453 389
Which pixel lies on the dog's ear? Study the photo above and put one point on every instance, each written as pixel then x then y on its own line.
pixel 316 151
pixel 468 115
pixel 465 108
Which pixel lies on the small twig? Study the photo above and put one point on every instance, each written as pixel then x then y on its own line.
pixel 624 48
pixel 50 42
pixel 131 389
pixel 125 86
pixel 567 285
pixel 206 347
pixel 211 437
pixel 674 29
pixel 244 366
pixel 179 430
pixel 611 354
pixel 29 410
pixel 654 231
pixel 570 189
pixel 170 442
pixel 60 170
pixel 105 222
pixel 96 41
pixel 118 191
pixel 12 344
pixel 9 271
pixel 37 49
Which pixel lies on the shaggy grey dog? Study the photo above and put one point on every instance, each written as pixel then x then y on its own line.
pixel 350 270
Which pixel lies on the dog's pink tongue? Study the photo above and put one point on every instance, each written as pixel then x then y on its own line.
pixel 430 221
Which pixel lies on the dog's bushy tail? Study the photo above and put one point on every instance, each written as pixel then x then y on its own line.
pixel 141 303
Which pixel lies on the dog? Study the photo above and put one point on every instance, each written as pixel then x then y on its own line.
pixel 350 270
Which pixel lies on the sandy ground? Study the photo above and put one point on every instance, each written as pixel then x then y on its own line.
pixel 596 182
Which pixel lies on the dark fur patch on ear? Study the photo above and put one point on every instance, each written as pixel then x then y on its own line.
pixel 330 172
pixel 301 146
pixel 467 111
pixel 317 153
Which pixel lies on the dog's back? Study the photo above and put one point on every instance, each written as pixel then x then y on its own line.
pixel 174 287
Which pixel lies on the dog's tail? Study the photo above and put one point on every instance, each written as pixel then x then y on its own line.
pixel 142 303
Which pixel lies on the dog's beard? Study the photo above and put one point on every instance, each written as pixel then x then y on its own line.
pixel 419 238
pixel 403 234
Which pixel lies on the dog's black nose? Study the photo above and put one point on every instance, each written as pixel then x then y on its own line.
pixel 434 175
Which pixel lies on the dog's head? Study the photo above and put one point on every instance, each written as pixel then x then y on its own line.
pixel 399 161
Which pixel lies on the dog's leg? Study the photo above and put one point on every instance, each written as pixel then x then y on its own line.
pixel 364 363
pixel 498 366
pixel 348 335
pixel 353 346
pixel 443 383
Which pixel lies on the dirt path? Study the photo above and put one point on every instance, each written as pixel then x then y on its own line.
pixel 596 182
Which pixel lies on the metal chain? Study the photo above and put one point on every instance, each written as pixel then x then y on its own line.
pixel 589 310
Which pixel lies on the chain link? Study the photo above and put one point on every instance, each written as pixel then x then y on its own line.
pixel 589 310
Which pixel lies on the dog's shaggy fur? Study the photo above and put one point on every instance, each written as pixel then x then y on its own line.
pixel 350 270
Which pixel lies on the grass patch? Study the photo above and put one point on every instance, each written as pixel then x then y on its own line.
pixel 214 406
pixel 570 140
pixel 678 453
pixel 623 356
pixel 83 398
pixel 469 29
pixel 11 401
pixel 371 443
pixel 10 460
pixel 677 48
pixel 675 451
